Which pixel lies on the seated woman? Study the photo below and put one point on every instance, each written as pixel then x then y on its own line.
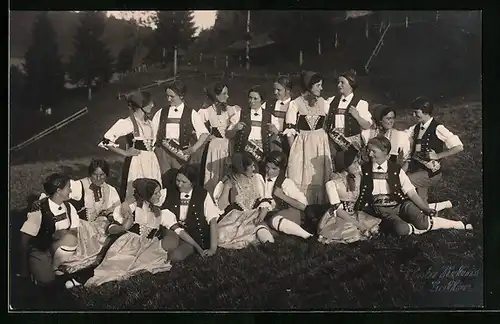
pixel 289 203
pixel 384 118
pixel 139 249
pixel 190 217
pixel 341 224
pixel 94 200
pixel 49 235
pixel 241 196
pixel 190 225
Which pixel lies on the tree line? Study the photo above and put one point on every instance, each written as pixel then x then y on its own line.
pixel 89 47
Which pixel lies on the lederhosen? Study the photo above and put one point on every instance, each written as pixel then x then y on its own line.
pixel 281 141
pixel 429 141
pixel 241 139
pixel 186 138
pixel 131 143
pixel 195 223
pixel 43 240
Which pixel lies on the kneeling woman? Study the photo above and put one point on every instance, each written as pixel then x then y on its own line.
pixel 241 196
pixel 139 249
pixel 341 224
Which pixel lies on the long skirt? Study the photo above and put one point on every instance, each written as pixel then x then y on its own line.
pixel 335 229
pixel 130 255
pixel 310 164
pixel 237 229
pixel 215 162
pixel 144 165
pixel 91 238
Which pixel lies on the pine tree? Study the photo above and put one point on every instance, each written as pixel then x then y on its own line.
pixel 173 29
pixel 125 59
pixel 44 70
pixel 92 61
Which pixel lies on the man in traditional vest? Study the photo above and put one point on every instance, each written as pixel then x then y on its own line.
pixel 386 188
pixel 429 139
pixel 181 127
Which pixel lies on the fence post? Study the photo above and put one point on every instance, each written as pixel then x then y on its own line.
pixel 215 61
pixel 227 62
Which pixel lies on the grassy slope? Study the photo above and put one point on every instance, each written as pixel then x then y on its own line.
pixel 387 272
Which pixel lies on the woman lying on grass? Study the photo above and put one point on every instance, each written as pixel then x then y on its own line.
pixel 139 248
pixel 188 214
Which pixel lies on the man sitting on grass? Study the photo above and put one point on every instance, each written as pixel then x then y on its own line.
pixel 387 189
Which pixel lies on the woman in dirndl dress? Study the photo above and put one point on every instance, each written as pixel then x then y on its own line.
pixel 348 117
pixel 310 163
pixel 140 159
pixel 384 117
pixel 218 118
pixel 139 247
pixel 241 196
pixel 341 224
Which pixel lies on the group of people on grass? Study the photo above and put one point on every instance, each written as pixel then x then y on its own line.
pixel 222 176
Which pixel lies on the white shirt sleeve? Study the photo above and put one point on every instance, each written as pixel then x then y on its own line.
pixel 76 189
pixel 291 113
pixel 198 125
pixel 450 140
pixel 113 198
pixel 168 220
pixel 409 131
pixel 121 128
pixel 331 192
pixel 75 219
pixel 406 185
pixel 155 123
pixel 234 116
pixel 32 225
pixel 204 114
pixel 363 111
pixel 210 210
pixel 261 192
pixel 117 215
pixel 291 190
pixel 329 100
pixel 404 143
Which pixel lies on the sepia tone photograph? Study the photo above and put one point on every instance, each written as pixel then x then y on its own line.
pixel 245 160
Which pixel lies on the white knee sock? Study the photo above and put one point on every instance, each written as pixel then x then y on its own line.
pixel 264 235
pixel 63 253
pixel 286 226
pixel 441 205
pixel 442 223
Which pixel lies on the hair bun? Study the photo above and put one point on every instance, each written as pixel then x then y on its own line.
pixel 353 72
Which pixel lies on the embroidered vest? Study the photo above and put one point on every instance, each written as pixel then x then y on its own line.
pixel 195 224
pixel 351 127
pixel 429 141
pixel 365 195
pixel 43 240
pixel 186 128
pixel 241 138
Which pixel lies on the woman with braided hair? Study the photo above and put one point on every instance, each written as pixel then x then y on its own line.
pixel 139 247
pixel 140 159
pixel 218 118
